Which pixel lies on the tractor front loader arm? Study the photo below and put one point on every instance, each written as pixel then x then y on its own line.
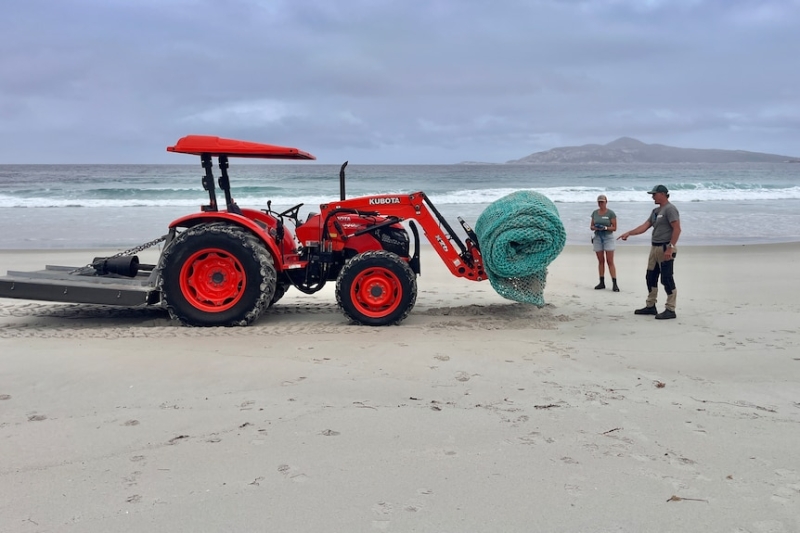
pixel 463 259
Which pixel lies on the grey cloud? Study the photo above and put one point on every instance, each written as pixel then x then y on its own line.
pixel 395 82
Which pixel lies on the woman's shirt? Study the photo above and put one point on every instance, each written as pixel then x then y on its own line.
pixel 604 219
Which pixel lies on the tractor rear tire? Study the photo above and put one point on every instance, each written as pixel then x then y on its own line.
pixel 376 288
pixel 217 274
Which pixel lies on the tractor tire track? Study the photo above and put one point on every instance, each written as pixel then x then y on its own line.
pixel 68 321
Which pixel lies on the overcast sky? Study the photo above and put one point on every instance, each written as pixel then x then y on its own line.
pixel 395 81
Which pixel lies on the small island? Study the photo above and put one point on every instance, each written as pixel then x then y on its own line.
pixel 628 150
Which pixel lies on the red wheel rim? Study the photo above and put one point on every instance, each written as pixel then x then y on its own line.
pixel 213 280
pixel 376 292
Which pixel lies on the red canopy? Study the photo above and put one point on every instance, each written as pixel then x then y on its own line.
pixel 216 146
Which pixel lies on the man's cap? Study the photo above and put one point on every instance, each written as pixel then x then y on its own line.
pixel 602 197
pixel 659 188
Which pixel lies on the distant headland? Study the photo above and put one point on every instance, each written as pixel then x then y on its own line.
pixel 628 150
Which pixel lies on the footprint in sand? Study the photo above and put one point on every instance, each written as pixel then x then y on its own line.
pixel 788 493
pixel 290 472
pixel 534 437
pixel 132 479
pixel 414 505
pixel 697 428
pixel 384 511
pixel 681 463
pixel 769 526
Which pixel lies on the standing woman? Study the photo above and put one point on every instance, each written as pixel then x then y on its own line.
pixel 604 224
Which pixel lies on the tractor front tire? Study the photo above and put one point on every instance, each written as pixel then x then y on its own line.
pixel 376 288
pixel 217 274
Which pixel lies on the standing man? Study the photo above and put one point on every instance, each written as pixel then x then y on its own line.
pixel 666 225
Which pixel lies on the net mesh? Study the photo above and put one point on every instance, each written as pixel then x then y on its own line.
pixel 520 235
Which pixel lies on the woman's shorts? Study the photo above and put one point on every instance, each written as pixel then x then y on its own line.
pixel 603 241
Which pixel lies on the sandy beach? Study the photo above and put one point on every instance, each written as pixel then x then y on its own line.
pixel 477 414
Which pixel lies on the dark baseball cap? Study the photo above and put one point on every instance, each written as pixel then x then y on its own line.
pixel 659 188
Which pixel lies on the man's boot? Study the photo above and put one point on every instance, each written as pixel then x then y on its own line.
pixel 646 311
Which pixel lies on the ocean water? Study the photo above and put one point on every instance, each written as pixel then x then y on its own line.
pixel 120 206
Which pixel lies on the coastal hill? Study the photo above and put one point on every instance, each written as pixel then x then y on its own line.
pixel 627 150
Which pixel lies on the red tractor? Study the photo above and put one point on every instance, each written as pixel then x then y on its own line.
pixel 224 266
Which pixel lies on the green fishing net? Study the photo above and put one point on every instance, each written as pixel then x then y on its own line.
pixel 519 236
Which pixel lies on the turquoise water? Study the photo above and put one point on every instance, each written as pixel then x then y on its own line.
pixel 49 206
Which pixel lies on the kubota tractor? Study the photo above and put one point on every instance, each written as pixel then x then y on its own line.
pixel 227 266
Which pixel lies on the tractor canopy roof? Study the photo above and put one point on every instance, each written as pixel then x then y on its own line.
pixel 217 146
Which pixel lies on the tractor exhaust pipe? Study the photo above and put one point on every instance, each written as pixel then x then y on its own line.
pixel 341 181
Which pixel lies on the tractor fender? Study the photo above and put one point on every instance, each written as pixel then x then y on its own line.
pixel 189 221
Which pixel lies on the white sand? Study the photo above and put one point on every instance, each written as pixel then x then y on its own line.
pixel 475 415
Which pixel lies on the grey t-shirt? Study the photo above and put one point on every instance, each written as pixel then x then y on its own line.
pixel 662 218
pixel 603 220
